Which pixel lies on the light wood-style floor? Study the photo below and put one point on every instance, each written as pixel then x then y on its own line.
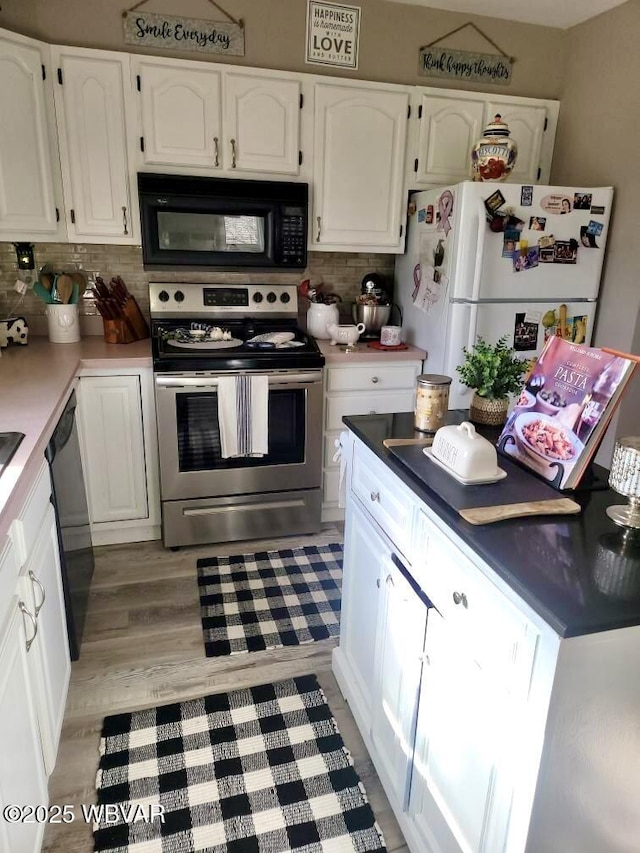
pixel 143 647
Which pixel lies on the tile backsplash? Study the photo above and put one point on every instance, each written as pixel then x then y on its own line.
pixel 340 272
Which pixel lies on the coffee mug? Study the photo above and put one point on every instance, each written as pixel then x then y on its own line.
pixel 390 336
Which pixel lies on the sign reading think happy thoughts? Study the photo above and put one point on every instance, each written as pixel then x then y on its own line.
pixel 333 34
pixel 464 65
pixel 164 31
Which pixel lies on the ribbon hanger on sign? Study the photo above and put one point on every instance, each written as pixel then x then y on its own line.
pixel 478 30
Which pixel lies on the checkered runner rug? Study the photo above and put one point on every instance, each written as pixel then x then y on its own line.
pixel 260 770
pixel 251 602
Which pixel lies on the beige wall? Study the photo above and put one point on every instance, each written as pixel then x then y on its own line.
pixel 391 36
pixel 598 144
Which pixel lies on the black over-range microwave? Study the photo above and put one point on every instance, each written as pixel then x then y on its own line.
pixel 222 223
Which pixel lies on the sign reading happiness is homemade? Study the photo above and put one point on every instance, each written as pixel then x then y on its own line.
pixel 333 34
pixel 464 65
pixel 146 28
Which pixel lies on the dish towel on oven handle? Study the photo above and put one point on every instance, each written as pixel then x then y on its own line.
pixel 243 415
pixel 341 445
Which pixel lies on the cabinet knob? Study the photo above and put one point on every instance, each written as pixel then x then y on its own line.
pixel 375 380
pixel 43 598
pixel 215 151
pixel 460 598
pixel 26 612
pixel 319 221
pixel 125 224
pixel 233 153
pixel 375 496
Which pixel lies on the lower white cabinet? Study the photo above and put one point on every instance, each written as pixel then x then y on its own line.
pixel 118 442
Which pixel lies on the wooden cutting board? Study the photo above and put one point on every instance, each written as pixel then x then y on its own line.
pixel 519 494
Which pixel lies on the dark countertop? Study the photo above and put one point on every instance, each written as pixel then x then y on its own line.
pixel 581 573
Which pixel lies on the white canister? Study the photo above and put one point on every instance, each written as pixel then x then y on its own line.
pixel 63 323
pixel 319 316
pixel 390 336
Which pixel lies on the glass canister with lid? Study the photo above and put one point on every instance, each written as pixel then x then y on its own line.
pixel 432 401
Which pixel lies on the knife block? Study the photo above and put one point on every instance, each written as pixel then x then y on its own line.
pixel 118 331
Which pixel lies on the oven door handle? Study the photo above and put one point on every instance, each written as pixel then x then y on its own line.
pixel 299 379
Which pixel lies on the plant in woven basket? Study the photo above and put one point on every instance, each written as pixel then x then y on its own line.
pixel 493 372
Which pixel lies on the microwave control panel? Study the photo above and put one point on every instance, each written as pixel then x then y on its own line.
pixel 294 237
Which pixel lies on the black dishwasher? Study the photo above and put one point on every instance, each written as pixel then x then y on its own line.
pixel 72 518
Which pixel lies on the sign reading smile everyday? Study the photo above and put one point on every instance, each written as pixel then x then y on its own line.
pixel 164 31
pixel 333 33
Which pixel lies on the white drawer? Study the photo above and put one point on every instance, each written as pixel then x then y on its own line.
pixel 330 486
pixel 373 377
pixel 365 404
pixel 384 497
pixel 500 638
pixel 25 528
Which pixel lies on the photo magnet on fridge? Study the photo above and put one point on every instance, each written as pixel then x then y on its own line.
pixel 509 243
pixel 494 202
pixel 597 209
pixel 525 261
pixel 582 201
pixel 429 215
pixel 514 223
pixel 526 196
pixel 565 252
pixel 557 204
pixel 545 256
pixel 422 214
pixel 525 335
pixel 587 239
pixel 537 223
pixel 595 228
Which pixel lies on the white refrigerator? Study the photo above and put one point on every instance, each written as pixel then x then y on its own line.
pixel 490 259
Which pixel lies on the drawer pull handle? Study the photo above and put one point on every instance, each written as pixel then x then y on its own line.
pixel 233 153
pixel 34 622
pixel 389 580
pixel 375 380
pixel 36 582
pixel 216 152
pixel 378 582
pixel 125 224
pixel 319 222
pixel 375 496
pixel 460 598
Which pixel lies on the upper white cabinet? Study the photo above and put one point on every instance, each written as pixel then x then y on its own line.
pixel 358 167
pixel 446 123
pixel 99 191
pixel 30 189
pixel 194 114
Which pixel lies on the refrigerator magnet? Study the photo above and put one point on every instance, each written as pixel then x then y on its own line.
pixel 546 242
pixel 494 202
pixel 526 261
pixel 428 217
pixel 582 201
pixel 525 334
pixel 546 256
pixel 557 204
pixel 422 214
pixel 597 209
pixel 537 223
pixel 514 223
pixel 595 228
pixel 509 243
pixel 526 196
pixel 587 239
pixel 565 252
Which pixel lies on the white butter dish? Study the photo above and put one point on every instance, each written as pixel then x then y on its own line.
pixel 499 475
pixel 466 455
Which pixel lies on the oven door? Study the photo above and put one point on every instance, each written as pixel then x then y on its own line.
pixel 191 463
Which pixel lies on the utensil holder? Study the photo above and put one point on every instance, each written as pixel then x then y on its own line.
pixel 63 323
pixel 118 331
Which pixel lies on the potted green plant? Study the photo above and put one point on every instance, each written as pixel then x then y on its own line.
pixel 493 372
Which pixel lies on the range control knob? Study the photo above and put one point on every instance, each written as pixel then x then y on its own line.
pixel 178 296
pixel 285 297
pixel 257 297
pixel 271 297
pixel 163 296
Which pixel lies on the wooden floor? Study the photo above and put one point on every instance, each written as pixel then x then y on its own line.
pixel 143 647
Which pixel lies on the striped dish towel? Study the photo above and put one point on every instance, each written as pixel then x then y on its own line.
pixel 243 415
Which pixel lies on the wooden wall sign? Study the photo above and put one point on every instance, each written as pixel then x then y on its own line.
pixel 333 34
pixel 464 65
pixel 163 31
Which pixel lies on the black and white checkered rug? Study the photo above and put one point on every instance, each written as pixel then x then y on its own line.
pixel 251 602
pixel 260 770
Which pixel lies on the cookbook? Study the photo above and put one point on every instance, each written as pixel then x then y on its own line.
pixel 563 410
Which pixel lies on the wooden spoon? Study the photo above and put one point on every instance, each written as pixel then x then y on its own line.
pixel 46 280
pixel 64 287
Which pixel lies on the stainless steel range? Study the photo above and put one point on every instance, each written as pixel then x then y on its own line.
pixel 202 332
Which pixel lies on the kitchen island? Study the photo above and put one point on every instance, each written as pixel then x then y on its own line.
pixel 490 668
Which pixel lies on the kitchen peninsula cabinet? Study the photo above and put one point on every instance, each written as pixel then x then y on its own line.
pixel 118 442
pixel 93 113
pixel 445 124
pixel 31 197
pixel 209 117
pixel 358 167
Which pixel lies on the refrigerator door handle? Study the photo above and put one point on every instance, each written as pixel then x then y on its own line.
pixel 477 271
pixel 473 325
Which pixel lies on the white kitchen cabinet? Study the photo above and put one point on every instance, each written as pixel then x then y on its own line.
pixel 358 167
pixel 204 116
pixel 362 389
pixel 445 124
pixel 118 444
pixel 92 116
pixel 30 183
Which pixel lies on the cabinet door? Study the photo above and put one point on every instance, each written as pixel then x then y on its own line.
pixel 400 641
pixel 261 123
pixel 526 126
pixel 447 130
pixel 180 114
pixel 111 440
pixel 28 201
pixel 49 659
pixel 91 118
pixel 22 776
pixel 365 550
pixel 457 793
pixel 358 168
